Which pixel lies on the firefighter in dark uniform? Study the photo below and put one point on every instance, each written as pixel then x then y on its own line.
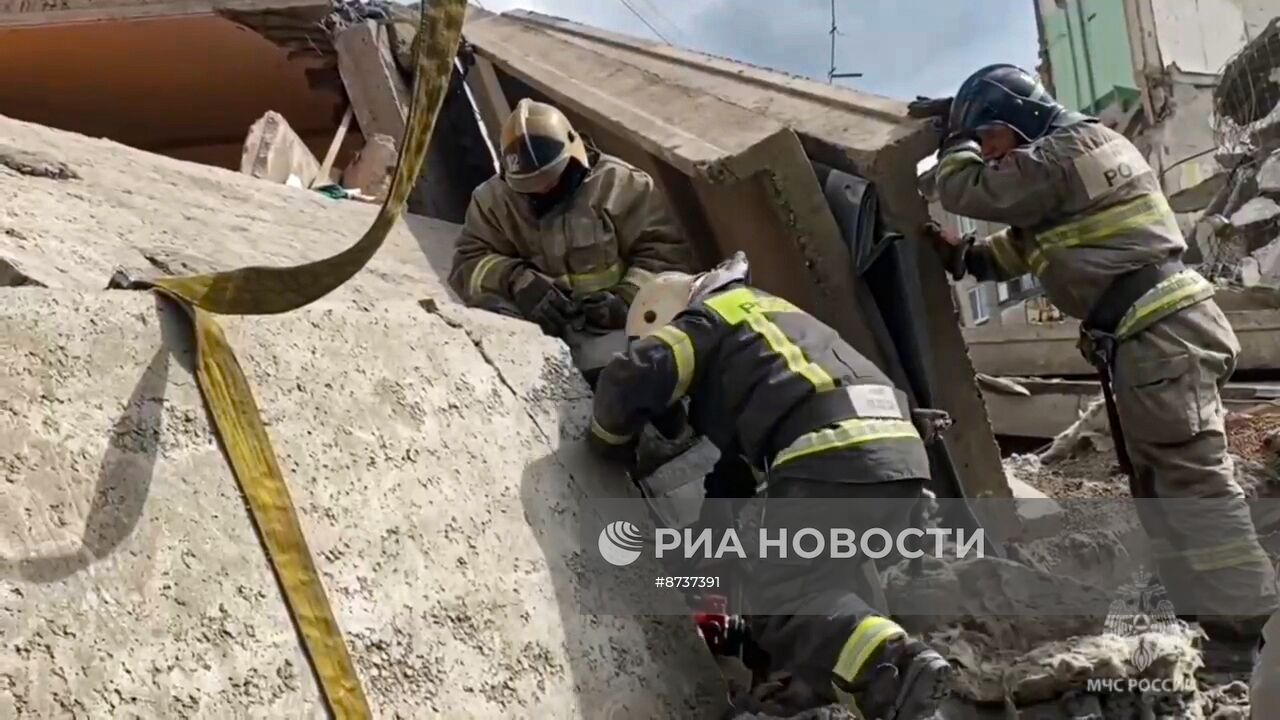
pixel 1088 218
pixel 784 398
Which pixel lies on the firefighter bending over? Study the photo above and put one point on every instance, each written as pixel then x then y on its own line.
pixel 1088 218
pixel 565 235
pixel 771 386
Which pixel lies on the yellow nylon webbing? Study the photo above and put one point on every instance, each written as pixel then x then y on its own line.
pixel 268 290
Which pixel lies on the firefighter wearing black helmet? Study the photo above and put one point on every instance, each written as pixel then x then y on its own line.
pixel 564 235
pixel 1087 217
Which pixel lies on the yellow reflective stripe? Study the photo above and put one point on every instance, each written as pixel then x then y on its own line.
pixel 682 348
pixel 1175 292
pixel 476 285
pixel 849 433
pixel 607 436
pixel 870 634
pixel 1006 254
pixel 1216 557
pixel 957 160
pixel 745 306
pixel 1092 230
pixel 596 281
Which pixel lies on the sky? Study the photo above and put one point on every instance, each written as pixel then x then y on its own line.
pixel 903 48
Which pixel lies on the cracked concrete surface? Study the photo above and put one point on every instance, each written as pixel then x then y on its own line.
pixel 434 456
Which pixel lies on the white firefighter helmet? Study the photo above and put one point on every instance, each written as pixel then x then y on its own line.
pixel 538 142
pixel 658 302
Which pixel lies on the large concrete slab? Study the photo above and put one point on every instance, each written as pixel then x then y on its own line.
pixel 433 453
pixel 733 146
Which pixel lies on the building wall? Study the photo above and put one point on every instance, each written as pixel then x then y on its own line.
pixel 1199 36
pixel 1088 51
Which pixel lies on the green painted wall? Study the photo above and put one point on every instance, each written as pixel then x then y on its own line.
pixel 1089 81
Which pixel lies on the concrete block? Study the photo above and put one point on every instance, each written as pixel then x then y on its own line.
pixel 273 151
pixel 1041 515
pixel 369 73
pixel 1269 175
pixel 371 169
pixel 1267 258
pixel 1255 212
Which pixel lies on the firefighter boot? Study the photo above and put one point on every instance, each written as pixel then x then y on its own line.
pixel 903 680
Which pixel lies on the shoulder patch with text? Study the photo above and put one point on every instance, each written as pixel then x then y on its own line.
pixel 1109 166
pixel 875 401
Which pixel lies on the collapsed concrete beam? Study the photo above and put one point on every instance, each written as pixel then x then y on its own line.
pixel 1048 350
pixel 377 93
pixel 733 147
pixel 1053 405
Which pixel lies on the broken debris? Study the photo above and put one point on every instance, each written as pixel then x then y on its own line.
pixel 34 164
pixel 273 151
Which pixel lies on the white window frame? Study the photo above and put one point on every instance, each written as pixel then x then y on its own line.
pixel 966 225
pixel 978 305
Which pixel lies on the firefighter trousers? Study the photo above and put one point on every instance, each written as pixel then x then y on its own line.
pixel 813 609
pixel 1167 381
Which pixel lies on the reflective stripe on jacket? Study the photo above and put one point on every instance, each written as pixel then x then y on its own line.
pixel 1083 207
pixel 613 233
pixel 747 360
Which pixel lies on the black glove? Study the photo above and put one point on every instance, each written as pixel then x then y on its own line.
pixel 673 422
pixel 730 478
pixel 541 301
pixel 605 310
pixel 923 107
pixel 952 255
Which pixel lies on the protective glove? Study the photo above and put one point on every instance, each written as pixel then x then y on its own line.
pixel 930 423
pixel 923 107
pixel 673 422
pixel 950 248
pixel 730 478
pixel 605 310
pixel 541 301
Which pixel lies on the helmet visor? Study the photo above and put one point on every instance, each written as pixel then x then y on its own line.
pixel 533 163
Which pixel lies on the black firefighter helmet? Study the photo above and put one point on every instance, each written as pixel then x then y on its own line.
pixel 1006 95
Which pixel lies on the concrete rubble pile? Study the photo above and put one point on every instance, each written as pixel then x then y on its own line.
pixel 1237 234
pixel 431 452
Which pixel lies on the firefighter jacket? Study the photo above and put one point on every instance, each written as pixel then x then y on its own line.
pixel 612 233
pixel 766 382
pixel 1084 208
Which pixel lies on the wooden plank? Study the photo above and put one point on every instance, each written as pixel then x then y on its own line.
pixel 332 154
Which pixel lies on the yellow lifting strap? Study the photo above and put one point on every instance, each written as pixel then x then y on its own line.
pixel 269 290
